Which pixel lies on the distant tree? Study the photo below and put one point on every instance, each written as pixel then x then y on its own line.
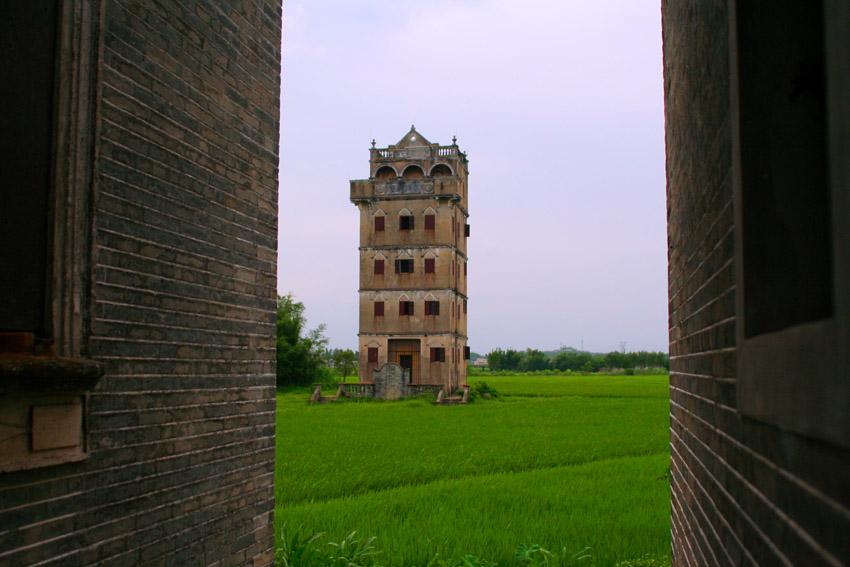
pixel 299 352
pixel 345 361
pixel 616 359
pixel 495 359
pixel 570 360
pixel 512 359
pixel 641 359
pixel 534 360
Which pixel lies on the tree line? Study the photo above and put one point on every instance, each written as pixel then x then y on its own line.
pixel 532 360
pixel 303 356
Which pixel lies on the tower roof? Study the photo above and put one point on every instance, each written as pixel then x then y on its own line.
pixel 412 139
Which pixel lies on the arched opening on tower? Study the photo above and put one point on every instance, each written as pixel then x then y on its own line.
pixel 385 172
pixel 413 172
pixel 441 170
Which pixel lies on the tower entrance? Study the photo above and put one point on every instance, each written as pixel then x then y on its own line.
pixel 405 353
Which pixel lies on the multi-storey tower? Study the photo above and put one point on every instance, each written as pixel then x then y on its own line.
pixel 413 230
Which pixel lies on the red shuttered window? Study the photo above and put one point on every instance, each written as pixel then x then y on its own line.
pixel 379 267
pixel 430 221
pixel 438 354
pixel 405 308
pixel 432 308
pixel 379 224
pixel 379 309
pixel 373 354
pixel 430 265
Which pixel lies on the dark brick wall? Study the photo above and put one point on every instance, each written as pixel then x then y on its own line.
pixel 181 427
pixel 743 492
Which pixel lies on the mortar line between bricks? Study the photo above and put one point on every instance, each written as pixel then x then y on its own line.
pixel 267 228
pixel 221 116
pixel 130 97
pixel 176 296
pixel 728 497
pixel 172 440
pixel 200 182
pixel 83 475
pixel 178 312
pixel 702 512
pixel 245 143
pixel 190 269
pixel 222 72
pixel 178 222
pixel 161 246
pixel 260 489
pixel 803 534
pixel 183 422
pixel 164 326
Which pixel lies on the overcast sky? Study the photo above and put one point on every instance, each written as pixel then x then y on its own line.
pixel 559 106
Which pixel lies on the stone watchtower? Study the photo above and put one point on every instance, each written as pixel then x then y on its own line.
pixel 413 230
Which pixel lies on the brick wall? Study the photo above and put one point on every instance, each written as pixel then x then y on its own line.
pixel 743 492
pixel 181 427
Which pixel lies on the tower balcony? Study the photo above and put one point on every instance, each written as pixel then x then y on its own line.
pixel 369 189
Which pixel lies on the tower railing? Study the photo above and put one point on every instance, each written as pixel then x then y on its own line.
pixel 426 152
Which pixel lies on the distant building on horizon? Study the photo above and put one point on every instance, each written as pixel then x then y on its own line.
pixel 413 262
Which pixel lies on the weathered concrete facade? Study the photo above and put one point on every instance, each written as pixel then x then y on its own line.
pixel 160 229
pixel 757 102
pixel 413 262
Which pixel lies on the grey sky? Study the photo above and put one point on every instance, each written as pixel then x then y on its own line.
pixel 559 105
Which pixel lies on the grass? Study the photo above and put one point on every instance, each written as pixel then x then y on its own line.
pixel 589 385
pixel 560 461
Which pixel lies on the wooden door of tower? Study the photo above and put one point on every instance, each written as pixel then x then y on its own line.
pixel 409 360
pixel 405 353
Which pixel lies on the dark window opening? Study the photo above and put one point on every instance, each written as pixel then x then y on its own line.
pixel 432 308
pixel 405 308
pixel 379 267
pixel 404 266
pixel 785 194
pixel 438 354
pixel 430 265
pixel 379 309
pixel 379 224
pixel 464 268
pixel 466 353
pixel 405 222
pixel 27 63
pixel 430 222
pixel 464 306
pixel 466 230
pixel 373 354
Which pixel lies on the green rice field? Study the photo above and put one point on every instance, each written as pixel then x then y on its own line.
pixel 564 462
